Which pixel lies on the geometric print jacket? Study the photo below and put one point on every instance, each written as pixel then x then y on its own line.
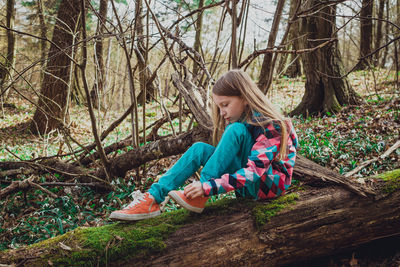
pixel 263 176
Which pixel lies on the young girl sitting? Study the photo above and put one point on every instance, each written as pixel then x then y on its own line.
pixel 255 154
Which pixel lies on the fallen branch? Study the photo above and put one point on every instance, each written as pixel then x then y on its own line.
pixel 366 163
pixel 153 136
pixel 23 185
pixel 32 184
pixel 311 173
pixel 15 172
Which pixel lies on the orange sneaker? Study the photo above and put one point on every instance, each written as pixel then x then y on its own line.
pixel 197 204
pixel 142 207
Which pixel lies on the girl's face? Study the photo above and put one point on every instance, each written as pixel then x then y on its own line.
pixel 230 107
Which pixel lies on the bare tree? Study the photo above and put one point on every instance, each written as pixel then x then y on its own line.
pixel 365 32
pixel 378 36
pixel 98 86
pixel 147 88
pixel 387 27
pixel 43 35
pixel 6 70
pixel 197 42
pixel 267 68
pixel 236 20
pixel 53 95
pixel 294 62
pixel 326 89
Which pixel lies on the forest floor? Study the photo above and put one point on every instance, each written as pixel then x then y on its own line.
pixel 339 141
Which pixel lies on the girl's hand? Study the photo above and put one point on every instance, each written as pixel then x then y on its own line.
pixel 194 190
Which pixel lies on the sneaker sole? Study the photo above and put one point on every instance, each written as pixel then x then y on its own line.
pixel 133 217
pixel 181 202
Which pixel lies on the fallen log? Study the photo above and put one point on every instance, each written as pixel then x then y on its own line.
pixel 310 222
pixel 155 150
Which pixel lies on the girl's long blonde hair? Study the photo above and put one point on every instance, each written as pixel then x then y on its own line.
pixel 238 83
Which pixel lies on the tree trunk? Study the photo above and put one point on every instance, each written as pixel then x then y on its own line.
pixel 43 31
pixel 233 54
pixel 197 42
pixel 294 68
pixel 7 69
pixel 379 31
pixel 98 86
pixel 53 95
pixel 387 30
pixel 147 88
pixel 313 222
pixel 365 33
pixel 267 68
pixel 325 89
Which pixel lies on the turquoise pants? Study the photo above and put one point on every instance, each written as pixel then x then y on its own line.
pixel 229 156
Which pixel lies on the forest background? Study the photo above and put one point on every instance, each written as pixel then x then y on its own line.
pixel 81 80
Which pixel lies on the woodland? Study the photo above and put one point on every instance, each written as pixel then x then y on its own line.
pixel 99 98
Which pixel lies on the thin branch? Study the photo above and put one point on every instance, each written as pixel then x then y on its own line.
pixel 82 66
pixel 366 163
pixel 274 49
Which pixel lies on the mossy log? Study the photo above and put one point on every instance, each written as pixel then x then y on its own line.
pixel 306 223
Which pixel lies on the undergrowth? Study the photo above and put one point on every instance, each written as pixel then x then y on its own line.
pixel 339 141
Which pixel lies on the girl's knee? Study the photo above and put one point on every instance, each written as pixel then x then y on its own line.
pixel 201 151
pixel 201 147
pixel 236 128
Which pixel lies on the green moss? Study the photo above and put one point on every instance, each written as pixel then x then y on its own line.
pixel 263 213
pixel 113 242
pixel 225 206
pixel 109 243
pixel 392 179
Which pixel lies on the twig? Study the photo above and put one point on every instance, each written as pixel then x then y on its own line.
pixel 23 185
pixel 12 153
pixel 274 49
pixel 14 172
pixel 43 189
pixel 68 184
pixel 82 66
pixel 366 163
pixel 135 116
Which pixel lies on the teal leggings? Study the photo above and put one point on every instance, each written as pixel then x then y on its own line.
pixel 230 155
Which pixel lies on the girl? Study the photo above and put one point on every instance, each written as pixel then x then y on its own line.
pixel 255 154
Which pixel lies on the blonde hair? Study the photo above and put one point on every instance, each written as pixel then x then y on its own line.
pixel 238 83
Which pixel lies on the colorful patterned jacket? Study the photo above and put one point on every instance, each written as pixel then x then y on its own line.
pixel 264 175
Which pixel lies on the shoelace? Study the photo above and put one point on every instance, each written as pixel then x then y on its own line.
pixel 137 198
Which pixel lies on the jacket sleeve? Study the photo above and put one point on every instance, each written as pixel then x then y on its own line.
pixel 260 158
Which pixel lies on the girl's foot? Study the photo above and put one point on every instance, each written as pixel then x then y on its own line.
pixel 142 207
pixel 196 204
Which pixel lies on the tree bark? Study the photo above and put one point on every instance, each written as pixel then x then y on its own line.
pixel 387 30
pixel 316 222
pixel 267 68
pixel 98 86
pixel 378 36
pixel 294 68
pixel 7 69
pixel 326 90
pixel 43 31
pixel 365 33
pixel 236 20
pixel 53 95
pixel 234 60
pixel 155 150
pixel 197 42
pixel 147 88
